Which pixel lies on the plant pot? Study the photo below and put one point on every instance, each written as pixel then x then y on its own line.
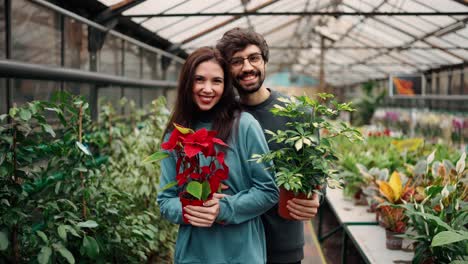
pixel 187 199
pixel 392 241
pixel 284 197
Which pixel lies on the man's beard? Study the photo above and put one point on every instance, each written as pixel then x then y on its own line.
pixel 252 89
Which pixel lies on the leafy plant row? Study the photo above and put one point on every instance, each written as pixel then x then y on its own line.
pixel 76 191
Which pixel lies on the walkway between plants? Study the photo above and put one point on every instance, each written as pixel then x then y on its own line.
pixel 312 251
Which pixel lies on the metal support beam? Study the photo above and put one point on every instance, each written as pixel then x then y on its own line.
pixel 16 69
pixel 114 11
pixel 308 13
pixel 397 48
pixel 213 28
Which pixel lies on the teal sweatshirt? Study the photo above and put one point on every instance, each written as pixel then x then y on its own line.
pixel 252 190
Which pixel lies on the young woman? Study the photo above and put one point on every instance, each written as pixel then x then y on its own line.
pixel 205 98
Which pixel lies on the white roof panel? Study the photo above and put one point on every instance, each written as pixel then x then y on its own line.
pixel 355 40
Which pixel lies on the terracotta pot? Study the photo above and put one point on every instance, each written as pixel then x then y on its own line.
pixel 392 242
pixel 187 199
pixel 284 197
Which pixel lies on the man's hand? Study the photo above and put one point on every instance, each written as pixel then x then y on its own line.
pixel 203 216
pixel 302 209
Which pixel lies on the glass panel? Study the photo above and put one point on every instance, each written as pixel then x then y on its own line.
pixel 28 90
pixel 465 81
pixel 443 82
pixel 2 30
pixel 76 45
pixel 35 34
pixel 110 56
pixel 3 96
pixel 455 84
pixel 150 94
pixel 78 89
pixel 150 65
pixel 170 69
pixel 132 61
pixel 110 95
pixel 134 95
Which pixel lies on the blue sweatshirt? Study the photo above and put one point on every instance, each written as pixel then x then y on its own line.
pixel 252 191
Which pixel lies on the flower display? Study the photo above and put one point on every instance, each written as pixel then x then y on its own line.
pixel 200 166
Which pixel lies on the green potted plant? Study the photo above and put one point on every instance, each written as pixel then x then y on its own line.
pixel 438 223
pixel 306 161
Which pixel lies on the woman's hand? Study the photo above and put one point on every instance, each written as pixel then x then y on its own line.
pixel 203 216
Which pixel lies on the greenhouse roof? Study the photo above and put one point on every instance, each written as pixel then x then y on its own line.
pixel 363 39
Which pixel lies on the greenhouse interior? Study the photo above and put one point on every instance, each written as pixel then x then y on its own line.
pixel 364 129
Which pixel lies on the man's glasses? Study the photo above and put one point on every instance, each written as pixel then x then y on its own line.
pixel 254 60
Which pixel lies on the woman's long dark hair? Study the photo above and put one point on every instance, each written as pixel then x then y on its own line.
pixel 186 112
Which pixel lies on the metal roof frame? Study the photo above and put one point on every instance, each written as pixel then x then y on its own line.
pixel 416 36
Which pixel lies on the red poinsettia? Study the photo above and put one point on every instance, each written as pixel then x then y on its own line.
pixel 189 147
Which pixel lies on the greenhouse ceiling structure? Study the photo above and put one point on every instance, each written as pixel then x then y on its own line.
pixel 354 40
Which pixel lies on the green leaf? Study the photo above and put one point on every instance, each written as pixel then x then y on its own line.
pixel 195 189
pixel 4 242
pixel 3 117
pixel 206 190
pixel 47 128
pixel 83 148
pixel 157 156
pixel 62 232
pixel 65 253
pixel 169 185
pixel 25 114
pixel 44 255
pixel 88 224
pixel 43 236
pixel 91 247
pixel 447 237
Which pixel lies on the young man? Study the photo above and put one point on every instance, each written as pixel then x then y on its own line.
pixel 247 53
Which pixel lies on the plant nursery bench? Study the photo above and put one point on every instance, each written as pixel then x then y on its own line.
pixel 363 230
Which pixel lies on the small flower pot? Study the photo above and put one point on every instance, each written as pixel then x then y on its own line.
pixel 187 199
pixel 392 241
pixel 284 197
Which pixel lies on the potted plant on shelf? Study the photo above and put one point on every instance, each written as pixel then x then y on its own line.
pixel 305 162
pixel 392 217
pixel 438 222
pixel 191 149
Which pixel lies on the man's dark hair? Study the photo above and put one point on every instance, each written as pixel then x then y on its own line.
pixel 238 39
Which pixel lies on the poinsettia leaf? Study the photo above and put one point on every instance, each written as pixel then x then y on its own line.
pixel 155 157
pixel 183 130
pixel 169 185
pixel 219 142
pixel 192 150
pixel 195 189
pixel 206 190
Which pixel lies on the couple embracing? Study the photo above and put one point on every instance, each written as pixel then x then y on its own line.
pixel 241 224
